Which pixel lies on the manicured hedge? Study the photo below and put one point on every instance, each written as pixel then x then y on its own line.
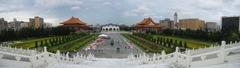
pixel 146 45
pixel 55 41
pixel 75 45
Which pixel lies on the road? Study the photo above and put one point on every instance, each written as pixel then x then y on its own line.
pixel 106 50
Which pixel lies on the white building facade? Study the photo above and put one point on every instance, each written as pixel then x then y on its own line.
pixel 110 27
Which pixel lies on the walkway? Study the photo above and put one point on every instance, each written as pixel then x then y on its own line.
pixel 121 63
pixel 106 50
pixel 109 63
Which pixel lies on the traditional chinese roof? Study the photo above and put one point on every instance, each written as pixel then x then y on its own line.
pixel 147 22
pixel 73 21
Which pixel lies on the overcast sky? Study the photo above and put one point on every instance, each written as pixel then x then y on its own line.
pixel 117 11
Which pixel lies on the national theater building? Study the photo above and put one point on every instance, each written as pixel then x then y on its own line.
pixel 76 24
pixel 147 24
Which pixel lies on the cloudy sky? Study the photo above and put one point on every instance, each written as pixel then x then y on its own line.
pixel 117 11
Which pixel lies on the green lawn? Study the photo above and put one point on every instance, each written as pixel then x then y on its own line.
pixel 190 42
pixel 29 43
pixel 69 46
pixel 149 46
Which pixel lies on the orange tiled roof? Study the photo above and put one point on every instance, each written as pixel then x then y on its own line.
pixel 146 21
pixel 73 21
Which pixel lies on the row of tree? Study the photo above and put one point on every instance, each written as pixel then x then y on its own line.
pixel 24 33
pixel 200 35
pixel 167 42
pixel 145 44
pixel 58 40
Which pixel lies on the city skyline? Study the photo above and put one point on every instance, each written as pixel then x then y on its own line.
pixel 119 12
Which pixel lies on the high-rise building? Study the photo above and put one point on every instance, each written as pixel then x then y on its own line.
pixel 231 24
pixel 193 24
pixel 36 22
pixel 47 25
pixel 166 24
pixel 16 25
pixel 175 20
pixel 211 26
pixel 3 24
pixel 24 25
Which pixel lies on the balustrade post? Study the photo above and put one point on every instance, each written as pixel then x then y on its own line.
pixel 15 48
pixel 175 54
pixel 58 55
pixel 163 55
pixel 188 58
pixel 28 49
pixel 32 61
pixel 17 58
pixel 221 53
pixel 45 49
pixel 154 58
pixel 145 58
pixel 140 58
pixel 203 57
pixel 81 56
pixel 131 58
pixel 89 56
pixel 77 55
pixel 67 55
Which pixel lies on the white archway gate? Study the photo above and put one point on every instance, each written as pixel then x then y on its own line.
pixel 110 27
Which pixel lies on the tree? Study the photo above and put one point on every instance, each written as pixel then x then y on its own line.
pixel 36 43
pixel 185 44
pixel 180 44
pixel 41 43
pixel 158 39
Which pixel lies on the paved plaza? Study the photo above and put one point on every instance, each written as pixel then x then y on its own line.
pixel 118 50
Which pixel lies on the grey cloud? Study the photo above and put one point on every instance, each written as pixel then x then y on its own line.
pixel 121 11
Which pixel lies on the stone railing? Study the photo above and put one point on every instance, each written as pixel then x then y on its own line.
pixel 35 59
pixel 189 58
